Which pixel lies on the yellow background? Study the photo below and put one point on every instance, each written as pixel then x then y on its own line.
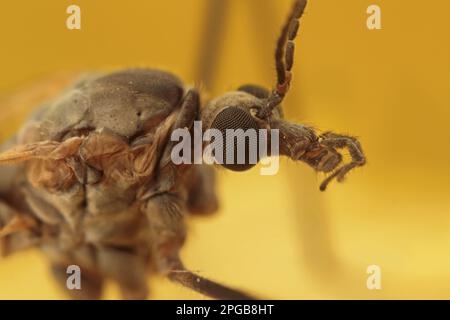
pixel 278 236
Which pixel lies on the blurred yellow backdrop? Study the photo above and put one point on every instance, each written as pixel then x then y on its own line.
pixel 278 236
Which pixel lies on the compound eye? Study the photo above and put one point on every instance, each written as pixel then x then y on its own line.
pixel 240 138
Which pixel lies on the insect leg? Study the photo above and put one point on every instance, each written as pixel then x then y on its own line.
pixel 126 267
pixel 301 143
pixel 295 139
pixel 341 141
pixel 163 205
pixel 170 173
pixel 84 257
pixel 202 198
pixel 165 209
pixel 91 283
pixel 206 287
pixel 166 220
pixel 11 221
pixel 165 216
pixel 213 29
pixel 16 230
pixel 185 120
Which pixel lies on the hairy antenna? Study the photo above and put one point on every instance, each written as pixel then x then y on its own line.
pixel 284 58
